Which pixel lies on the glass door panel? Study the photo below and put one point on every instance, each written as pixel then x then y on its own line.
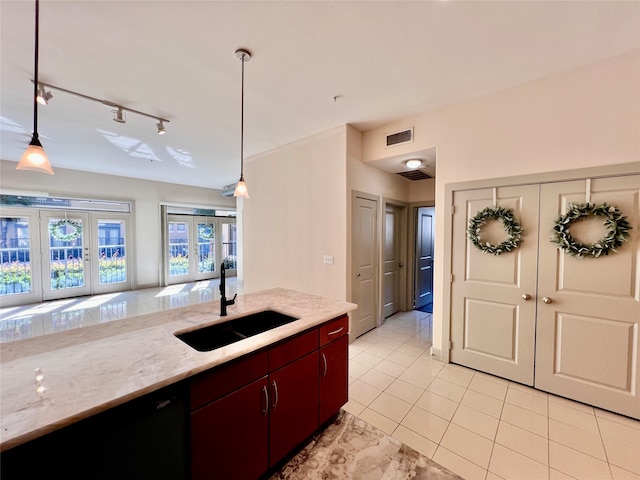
pixel 179 254
pixel 65 254
pixel 229 247
pixel 206 242
pixel 19 242
pixel 111 260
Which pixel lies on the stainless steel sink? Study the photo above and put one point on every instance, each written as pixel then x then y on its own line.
pixel 215 336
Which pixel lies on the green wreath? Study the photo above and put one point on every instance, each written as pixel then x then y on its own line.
pixel 511 225
pixel 206 231
pixel 613 220
pixel 65 237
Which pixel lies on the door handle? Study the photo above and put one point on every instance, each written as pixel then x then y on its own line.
pixel 547 300
pixel 324 360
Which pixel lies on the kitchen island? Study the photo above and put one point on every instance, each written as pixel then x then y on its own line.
pixel 90 371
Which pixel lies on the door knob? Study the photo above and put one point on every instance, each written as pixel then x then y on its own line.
pixel 358 274
pixel 547 300
pixel 401 264
pixel 526 296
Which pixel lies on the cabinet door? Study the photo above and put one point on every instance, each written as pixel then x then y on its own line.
pixel 294 405
pixel 223 432
pixel 334 377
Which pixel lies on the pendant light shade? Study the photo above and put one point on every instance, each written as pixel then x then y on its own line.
pixel 35 158
pixel 241 187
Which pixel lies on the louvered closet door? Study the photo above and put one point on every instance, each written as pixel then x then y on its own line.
pixel 587 337
pixel 493 296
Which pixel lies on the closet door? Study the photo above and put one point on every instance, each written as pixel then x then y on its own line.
pixel 492 297
pixel 589 308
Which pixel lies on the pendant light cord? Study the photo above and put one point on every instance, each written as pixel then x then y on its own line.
pixel 35 69
pixel 242 124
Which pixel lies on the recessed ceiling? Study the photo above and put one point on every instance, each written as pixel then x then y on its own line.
pixel 383 60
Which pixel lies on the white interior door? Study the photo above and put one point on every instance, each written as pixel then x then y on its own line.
pixel 492 310
pixel 588 332
pixel 365 264
pixel 393 261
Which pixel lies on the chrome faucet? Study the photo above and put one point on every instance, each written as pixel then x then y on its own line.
pixel 223 299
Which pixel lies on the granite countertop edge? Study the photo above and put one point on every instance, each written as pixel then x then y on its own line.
pixel 90 370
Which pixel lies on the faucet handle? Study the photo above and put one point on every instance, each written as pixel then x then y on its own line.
pixel 233 300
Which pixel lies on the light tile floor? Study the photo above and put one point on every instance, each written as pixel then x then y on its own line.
pixel 477 425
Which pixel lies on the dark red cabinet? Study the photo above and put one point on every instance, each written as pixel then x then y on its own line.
pixel 248 415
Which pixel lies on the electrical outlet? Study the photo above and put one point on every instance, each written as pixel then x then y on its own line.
pixel 328 259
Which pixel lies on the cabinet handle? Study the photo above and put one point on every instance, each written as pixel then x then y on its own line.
pixel 266 400
pixel 547 300
pixel 324 361
pixel 526 296
pixel 336 331
pixel 275 394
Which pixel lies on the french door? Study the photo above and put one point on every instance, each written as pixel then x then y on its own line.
pixel 51 254
pixel 197 247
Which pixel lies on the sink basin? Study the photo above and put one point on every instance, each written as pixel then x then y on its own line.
pixel 215 336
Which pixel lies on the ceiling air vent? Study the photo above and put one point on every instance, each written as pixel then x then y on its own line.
pixel 406 136
pixel 414 175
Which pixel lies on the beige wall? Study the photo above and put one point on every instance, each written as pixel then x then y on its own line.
pixel 146 195
pixel 295 216
pixel 586 117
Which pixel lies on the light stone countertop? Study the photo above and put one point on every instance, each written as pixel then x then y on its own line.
pixel 92 369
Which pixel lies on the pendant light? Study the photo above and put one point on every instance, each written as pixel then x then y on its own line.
pixel 241 187
pixel 34 158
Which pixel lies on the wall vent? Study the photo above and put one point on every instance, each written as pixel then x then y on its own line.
pixel 405 136
pixel 414 175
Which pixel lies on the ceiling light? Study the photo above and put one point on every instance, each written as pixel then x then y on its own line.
pixel 118 116
pixel 161 130
pixel 413 163
pixel 241 188
pixel 43 96
pixel 35 158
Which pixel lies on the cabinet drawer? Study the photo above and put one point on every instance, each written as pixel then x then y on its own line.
pixel 334 329
pixel 227 378
pixel 293 349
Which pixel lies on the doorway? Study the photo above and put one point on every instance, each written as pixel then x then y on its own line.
pixel 364 258
pixel 52 254
pixel 423 267
pixel 539 316
pixel 394 259
pixel 197 246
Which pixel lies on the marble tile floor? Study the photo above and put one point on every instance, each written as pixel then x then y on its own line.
pixel 474 424
pixel 351 449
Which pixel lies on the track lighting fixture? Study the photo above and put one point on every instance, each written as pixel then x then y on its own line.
pixel 35 158
pixel 241 187
pixel 117 110
pixel 118 116
pixel 43 96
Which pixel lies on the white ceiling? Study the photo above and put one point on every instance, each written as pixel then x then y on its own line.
pixel 175 59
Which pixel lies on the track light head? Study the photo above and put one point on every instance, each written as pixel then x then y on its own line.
pixel 118 116
pixel 161 130
pixel 43 96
